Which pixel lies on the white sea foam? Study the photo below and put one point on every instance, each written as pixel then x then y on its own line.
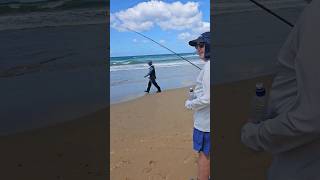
pixel 158 65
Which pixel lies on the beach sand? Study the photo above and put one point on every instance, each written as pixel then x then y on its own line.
pixel 74 150
pixel 150 138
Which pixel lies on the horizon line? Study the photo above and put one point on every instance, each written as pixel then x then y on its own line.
pixel 154 54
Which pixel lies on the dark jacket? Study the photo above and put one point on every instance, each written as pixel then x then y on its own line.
pixel 152 72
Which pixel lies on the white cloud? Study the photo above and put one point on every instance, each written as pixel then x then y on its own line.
pixel 168 16
pixel 204 27
pixel 184 36
pixel 187 36
pixel 195 32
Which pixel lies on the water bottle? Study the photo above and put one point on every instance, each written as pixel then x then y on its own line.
pixel 258 109
pixel 191 94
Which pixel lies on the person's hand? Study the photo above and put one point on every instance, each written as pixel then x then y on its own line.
pixel 188 104
pixel 248 136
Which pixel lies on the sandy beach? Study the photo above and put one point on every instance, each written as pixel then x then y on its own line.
pixel 74 150
pixel 151 137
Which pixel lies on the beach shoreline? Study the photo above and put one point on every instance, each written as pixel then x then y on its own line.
pixel 142 94
pixel 150 137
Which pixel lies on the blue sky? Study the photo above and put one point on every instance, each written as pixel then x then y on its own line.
pixel 171 23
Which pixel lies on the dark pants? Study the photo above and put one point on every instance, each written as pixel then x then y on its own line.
pixel 153 81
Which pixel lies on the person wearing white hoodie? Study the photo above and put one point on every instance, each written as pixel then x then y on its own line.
pixel 201 106
pixel 291 131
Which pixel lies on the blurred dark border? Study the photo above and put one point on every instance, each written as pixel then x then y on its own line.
pixel 33 63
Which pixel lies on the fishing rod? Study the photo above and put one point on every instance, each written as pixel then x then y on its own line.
pixel 272 13
pixel 164 47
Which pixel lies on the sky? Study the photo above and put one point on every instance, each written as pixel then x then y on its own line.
pixel 171 23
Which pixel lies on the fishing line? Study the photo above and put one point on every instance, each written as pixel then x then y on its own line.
pixel 164 47
pixel 272 13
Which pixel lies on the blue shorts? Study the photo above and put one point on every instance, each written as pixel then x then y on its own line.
pixel 201 141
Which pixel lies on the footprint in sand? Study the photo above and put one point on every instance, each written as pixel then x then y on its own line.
pixel 151 163
pixel 147 170
pixel 150 167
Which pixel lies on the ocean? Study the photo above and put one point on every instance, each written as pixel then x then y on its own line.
pixel 127 74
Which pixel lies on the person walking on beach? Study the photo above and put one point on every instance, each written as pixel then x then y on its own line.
pixel 201 106
pixel 291 131
pixel 152 78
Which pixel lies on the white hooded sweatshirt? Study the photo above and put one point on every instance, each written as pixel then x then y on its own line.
pixel 201 104
pixel 292 131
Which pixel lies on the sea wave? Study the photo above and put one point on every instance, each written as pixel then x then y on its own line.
pixel 139 61
pixel 140 66
pixel 144 60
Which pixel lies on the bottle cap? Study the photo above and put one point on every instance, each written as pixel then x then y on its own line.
pixel 259 85
pixel 260 90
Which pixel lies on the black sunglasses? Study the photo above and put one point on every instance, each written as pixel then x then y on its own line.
pixel 200 45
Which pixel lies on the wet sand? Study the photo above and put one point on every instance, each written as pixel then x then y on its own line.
pixel 150 138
